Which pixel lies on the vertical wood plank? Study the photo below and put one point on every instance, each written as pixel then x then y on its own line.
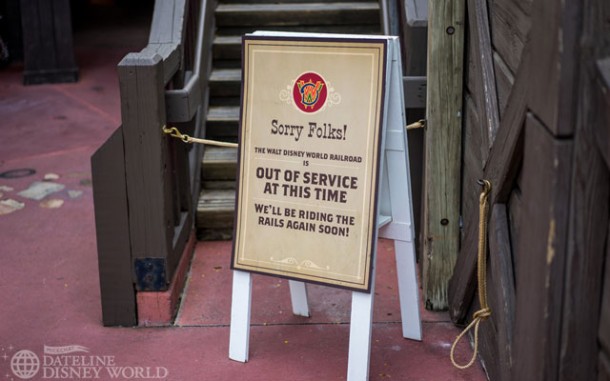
pixel 542 251
pixel 502 297
pixel 555 33
pixel 62 29
pixel 112 231
pixel 486 94
pixel 585 256
pixel 588 211
pixel 443 148
pixel 146 156
pixel 472 171
pixel 47 42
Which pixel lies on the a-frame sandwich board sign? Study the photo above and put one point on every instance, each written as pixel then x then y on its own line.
pixel 323 172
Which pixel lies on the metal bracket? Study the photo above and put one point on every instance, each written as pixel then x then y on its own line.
pixel 150 274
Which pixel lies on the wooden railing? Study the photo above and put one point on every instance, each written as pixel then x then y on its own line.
pixel 145 185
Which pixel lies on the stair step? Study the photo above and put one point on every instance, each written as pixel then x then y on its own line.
pixel 215 208
pixel 215 214
pixel 268 14
pixel 350 29
pixel 219 164
pixel 226 75
pixel 225 101
pixel 223 114
pixel 227 48
pixel 225 82
pixel 223 122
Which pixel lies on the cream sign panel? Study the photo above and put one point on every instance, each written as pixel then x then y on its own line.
pixel 309 150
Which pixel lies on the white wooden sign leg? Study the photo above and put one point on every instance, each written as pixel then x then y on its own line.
pixel 360 331
pixel 361 327
pixel 241 300
pixel 408 289
pixel 298 296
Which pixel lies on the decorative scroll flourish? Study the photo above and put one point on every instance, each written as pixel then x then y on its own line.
pixel 308 264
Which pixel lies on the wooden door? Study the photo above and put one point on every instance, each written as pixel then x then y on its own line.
pixel 531 112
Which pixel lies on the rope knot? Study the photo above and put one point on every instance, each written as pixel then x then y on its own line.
pixel 482 314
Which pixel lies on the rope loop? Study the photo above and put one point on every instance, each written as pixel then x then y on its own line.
pixel 484 312
pixel 475 322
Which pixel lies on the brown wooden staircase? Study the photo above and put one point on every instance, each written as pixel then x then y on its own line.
pixel 234 18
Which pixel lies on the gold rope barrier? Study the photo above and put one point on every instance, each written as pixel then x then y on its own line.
pixel 419 124
pixel 485 311
pixel 174 132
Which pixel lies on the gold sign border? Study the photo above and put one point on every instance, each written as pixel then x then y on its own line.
pixel 372 230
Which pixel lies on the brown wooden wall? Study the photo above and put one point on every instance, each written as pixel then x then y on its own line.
pixel 536 105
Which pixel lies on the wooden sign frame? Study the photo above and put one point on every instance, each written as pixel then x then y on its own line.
pixel 308 172
pixel 394 220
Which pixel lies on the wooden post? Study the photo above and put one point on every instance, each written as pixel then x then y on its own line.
pixel 443 148
pixel 47 42
pixel 112 225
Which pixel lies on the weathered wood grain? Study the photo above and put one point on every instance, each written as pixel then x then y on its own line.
pixel 501 168
pixel 510 25
pixel 502 293
pixel 542 251
pixel 588 214
pixel 486 94
pixel 585 257
pixel 443 148
pixel 215 209
pixel 555 51
pixel 505 155
pixel 504 82
pixel 472 171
